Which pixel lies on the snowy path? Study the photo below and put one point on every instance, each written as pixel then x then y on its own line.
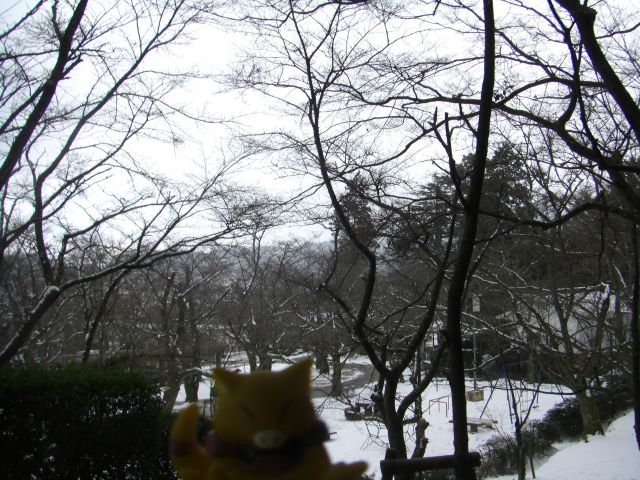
pixel 356 374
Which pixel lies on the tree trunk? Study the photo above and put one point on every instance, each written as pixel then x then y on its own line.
pixel 253 361
pixel 58 72
pixel 96 321
pixel 635 333
pixel 521 465
pixel 421 438
pixel 31 319
pixel 463 469
pixel 585 18
pixel 395 430
pixel 191 386
pixel 322 364
pixel 266 362
pixel 192 380
pixel 589 413
pixel 89 338
pixel 421 423
pixel 170 395
pixel 173 378
pixel 336 375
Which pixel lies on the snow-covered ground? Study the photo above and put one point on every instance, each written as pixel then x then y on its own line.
pixel 614 456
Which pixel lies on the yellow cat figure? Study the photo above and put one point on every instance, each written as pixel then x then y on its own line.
pixel 265 429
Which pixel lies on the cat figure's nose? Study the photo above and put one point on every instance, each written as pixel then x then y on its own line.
pixel 269 439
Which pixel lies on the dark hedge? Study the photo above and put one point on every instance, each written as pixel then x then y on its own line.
pixel 81 423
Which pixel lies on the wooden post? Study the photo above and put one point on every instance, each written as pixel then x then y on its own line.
pixel 387 472
pixel 390 465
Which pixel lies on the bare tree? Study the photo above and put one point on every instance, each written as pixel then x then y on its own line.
pixel 566 79
pixel 589 129
pixel 552 78
pixel 569 310
pixel 327 64
pixel 262 300
pixel 78 92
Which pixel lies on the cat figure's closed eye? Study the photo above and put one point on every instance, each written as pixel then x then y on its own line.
pixel 265 428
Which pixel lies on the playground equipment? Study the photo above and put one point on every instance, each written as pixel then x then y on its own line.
pixel 475 395
pixel 440 401
pixel 523 397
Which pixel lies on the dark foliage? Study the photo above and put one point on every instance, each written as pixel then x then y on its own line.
pixel 563 421
pixel 499 453
pixel 615 399
pixel 81 423
pixel 498 456
pixel 445 474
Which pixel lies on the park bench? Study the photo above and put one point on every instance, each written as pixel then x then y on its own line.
pixel 474 423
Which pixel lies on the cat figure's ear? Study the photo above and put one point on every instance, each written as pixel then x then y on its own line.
pixel 298 375
pixel 226 382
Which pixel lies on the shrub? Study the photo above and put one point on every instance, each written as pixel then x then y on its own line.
pixel 500 453
pixel 563 420
pixel 543 434
pixel 498 456
pixel 81 423
pixel 615 399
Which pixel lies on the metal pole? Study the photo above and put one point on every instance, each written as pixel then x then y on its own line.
pixel 476 311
